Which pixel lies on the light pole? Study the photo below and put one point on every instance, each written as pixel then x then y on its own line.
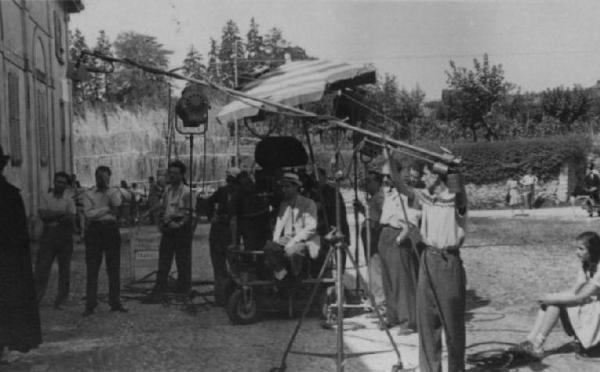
pixel 236 123
pixel 170 127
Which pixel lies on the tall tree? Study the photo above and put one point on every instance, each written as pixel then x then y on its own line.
pixel 134 86
pixel 254 42
pixel 213 68
pixel 473 94
pixel 231 53
pixel 192 64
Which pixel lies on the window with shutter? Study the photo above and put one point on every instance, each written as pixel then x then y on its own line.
pixel 59 46
pixel 42 123
pixel 14 120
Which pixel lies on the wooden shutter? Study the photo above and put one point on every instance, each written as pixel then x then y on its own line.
pixel 14 120
pixel 42 122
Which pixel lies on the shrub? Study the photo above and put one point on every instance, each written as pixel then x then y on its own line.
pixel 491 162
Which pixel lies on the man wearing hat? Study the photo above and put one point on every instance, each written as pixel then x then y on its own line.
pixel 19 316
pixel 219 237
pixel 295 230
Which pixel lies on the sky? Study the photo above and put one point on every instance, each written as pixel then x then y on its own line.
pixel 540 44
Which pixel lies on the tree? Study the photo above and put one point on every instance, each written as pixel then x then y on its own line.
pixel 230 53
pixel 473 94
pixel 101 83
pixel 132 85
pixel 81 89
pixel 192 64
pixel 566 105
pixel 254 42
pixel 213 69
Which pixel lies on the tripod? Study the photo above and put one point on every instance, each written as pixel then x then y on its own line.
pixel 337 245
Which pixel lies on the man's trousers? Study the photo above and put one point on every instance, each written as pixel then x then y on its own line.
pixel 103 238
pixel 56 243
pixel 176 243
pixel 441 300
pixel 399 265
pixel 219 238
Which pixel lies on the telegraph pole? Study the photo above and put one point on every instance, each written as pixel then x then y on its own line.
pixel 236 124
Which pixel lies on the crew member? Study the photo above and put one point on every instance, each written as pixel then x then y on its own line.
pixel 249 215
pixel 592 187
pixel 219 237
pixel 295 230
pixel 399 261
pixel 101 208
pixel 373 187
pixel 176 228
pixel 441 292
pixel 57 211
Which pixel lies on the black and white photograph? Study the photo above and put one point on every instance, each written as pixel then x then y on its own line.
pixel 299 185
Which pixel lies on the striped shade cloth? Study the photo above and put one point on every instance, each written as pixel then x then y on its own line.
pixel 295 83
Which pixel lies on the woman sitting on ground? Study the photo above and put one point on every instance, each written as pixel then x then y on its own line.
pixel 577 308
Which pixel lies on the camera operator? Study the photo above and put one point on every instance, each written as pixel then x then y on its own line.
pixel 441 292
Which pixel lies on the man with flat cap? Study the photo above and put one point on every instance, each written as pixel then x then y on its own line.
pixel 19 316
pixel 295 230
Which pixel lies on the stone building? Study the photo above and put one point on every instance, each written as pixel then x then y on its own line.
pixel 35 94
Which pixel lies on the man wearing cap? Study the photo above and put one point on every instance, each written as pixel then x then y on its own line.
pixel 19 316
pixel 176 227
pixel 57 211
pixel 219 237
pixel 101 207
pixel 295 230
pixel 441 291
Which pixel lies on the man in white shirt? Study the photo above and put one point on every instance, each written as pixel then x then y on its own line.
pixel 101 208
pixel 295 230
pixel 176 228
pixel 441 288
pixel 57 211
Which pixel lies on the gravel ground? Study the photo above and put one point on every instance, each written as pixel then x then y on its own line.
pixel 504 278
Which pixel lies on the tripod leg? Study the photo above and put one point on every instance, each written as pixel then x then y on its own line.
pixel 282 365
pixel 399 365
pixel 340 308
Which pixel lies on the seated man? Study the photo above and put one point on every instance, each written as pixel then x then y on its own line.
pixel 295 230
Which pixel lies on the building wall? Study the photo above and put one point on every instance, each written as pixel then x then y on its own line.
pixel 35 103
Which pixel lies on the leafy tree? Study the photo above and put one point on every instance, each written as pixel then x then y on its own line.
pixel 132 85
pixel 81 89
pixel 192 64
pixel 101 83
pixel 473 94
pixel 566 105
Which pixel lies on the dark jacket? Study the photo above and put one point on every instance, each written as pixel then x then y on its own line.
pixel 19 316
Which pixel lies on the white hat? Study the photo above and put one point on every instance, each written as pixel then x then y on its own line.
pixel 291 177
pixel 233 172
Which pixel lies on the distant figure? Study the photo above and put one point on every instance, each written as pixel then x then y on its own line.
pixel 155 192
pixel 19 316
pixel 592 187
pixel 528 181
pixel 102 238
pixel 578 308
pixel 513 196
pixel 57 211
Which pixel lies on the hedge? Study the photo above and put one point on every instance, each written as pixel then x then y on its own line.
pixel 489 162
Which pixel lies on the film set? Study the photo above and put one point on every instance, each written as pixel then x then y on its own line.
pixel 313 185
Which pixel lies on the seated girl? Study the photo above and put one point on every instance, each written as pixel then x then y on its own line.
pixel 577 308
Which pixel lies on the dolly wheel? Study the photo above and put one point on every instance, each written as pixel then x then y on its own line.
pixel 397 367
pixel 241 309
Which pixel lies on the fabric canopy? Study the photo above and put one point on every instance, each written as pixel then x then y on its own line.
pixel 295 83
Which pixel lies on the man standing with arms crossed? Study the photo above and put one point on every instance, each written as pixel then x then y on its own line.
pixel 100 206
pixel 57 211
pixel 176 228
pixel 441 288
